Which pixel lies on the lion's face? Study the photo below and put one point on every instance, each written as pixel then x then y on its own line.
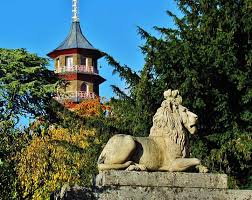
pixel 189 119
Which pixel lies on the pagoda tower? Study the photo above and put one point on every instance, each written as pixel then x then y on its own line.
pixel 75 60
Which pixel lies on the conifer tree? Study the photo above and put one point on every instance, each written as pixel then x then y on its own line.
pixel 208 58
pixel 26 85
pixel 26 88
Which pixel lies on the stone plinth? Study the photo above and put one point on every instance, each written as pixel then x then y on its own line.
pixel 166 193
pixel 124 185
pixel 162 179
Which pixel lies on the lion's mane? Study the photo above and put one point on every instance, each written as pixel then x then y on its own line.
pixel 167 122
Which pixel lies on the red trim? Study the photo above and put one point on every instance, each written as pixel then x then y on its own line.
pixel 68 77
pixel 84 77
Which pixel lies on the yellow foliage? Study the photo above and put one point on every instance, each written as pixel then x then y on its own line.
pixel 52 160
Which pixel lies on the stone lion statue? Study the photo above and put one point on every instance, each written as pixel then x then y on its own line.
pixel 166 148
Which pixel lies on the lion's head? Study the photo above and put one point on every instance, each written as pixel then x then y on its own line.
pixel 190 120
pixel 173 120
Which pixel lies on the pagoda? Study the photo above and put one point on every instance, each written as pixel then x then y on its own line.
pixel 75 60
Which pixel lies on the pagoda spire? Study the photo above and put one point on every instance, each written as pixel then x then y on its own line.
pixel 75 11
pixel 76 61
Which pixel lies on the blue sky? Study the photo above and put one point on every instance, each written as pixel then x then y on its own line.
pixel 111 26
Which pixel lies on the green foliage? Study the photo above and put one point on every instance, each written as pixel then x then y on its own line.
pixel 67 152
pixel 26 88
pixel 57 158
pixel 249 184
pixel 7 179
pixel 26 85
pixel 208 58
pixel 12 140
pixel 133 113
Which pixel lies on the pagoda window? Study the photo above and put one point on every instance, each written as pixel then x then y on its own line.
pixel 83 61
pixel 84 87
pixel 94 63
pixel 58 62
pixel 69 61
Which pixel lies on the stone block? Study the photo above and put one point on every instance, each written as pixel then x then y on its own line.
pixel 162 179
pixel 166 193
pixel 132 185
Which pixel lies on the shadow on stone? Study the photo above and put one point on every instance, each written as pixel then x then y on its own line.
pixel 73 193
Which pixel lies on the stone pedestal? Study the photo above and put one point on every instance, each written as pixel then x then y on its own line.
pixel 120 185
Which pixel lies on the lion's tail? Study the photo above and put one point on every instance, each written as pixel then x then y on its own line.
pixel 102 167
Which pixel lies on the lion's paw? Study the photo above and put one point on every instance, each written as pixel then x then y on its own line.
pixel 136 167
pixel 202 168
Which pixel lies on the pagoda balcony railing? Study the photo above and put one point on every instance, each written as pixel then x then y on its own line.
pixel 75 95
pixel 77 69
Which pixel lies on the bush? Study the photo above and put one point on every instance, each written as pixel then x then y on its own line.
pixel 57 158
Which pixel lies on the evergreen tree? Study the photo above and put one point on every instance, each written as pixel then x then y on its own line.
pixel 26 85
pixel 26 88
pixel 208 58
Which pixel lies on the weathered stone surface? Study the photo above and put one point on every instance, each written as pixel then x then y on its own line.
pixel 123 185
pixel 152 193
pixel 162 179
pixel 73 193
pixel 120 185
pixel 165 193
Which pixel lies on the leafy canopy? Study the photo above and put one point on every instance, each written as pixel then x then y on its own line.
pixel 26 85
pixel 26 88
